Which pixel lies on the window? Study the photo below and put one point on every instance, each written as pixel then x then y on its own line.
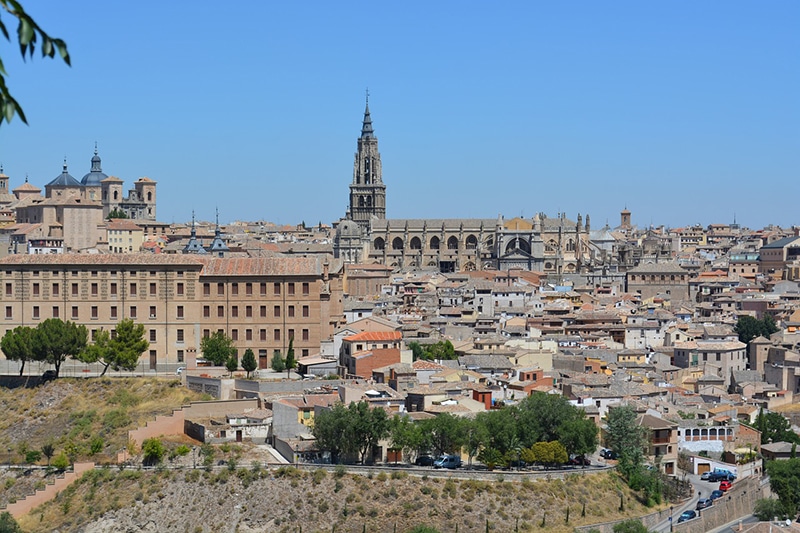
pixel 152 335
pixel 276 289
pixel 206 289
pixel 262 334
pixel 179 335
pixel 152 289
pixel 55 311
pixel 248 334
pixel 276 335
pixel 94 312
pixel 94 289
pixel 305 288
pixel 276 311
pixel 74 312
pixel 220 311
pixel 220 288
pixel 179 289
pixel 305 352
pixel 74 289
pixel 235 289
pixel 290 289
pixel 234 334
pixel 113 312
pixel 112 289
pixel 263 289
pixel 263 311
pixel 9 290
pixel 152 311
pixel 206 333
pixel 55 289
pixel 206 311
pixel 36 312
pixel 132 291
pixel 248 289
pixel 180 312
pixel 132 314
pixel 290 335
pixel 180 356
pixel 36 289
pixel 305 334
pixel 290 311
pixel 235 311
pixel 305 311
pixel 248 311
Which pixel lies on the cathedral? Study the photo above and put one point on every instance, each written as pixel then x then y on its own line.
pixel 551 245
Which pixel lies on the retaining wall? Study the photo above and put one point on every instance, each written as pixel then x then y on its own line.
pixel 21 507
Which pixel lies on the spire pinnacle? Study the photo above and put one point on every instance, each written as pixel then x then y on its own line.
pixel 366 127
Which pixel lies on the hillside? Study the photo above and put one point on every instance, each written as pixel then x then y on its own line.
pixel 257 500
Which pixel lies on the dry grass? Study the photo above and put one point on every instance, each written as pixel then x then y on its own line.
pixel 71 412
pixel 285 500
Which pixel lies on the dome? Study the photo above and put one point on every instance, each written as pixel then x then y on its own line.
pixel 64 179
pixel 348 228
pixel 95 176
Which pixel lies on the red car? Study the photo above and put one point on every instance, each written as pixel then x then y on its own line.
pixel 724 485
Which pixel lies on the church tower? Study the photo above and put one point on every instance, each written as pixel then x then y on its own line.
pixel 367 192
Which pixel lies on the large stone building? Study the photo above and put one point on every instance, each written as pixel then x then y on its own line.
pixel 552 245
pixel 260 303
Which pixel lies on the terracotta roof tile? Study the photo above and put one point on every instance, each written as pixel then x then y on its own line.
pixel 375 336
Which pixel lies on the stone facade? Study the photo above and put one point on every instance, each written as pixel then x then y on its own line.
pixel 259 303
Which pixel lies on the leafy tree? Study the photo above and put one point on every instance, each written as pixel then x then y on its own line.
pixel 550 417
pixel 217 348
pixel 627 438
pixel 28 32
pixel 445 431
pixel 17 345
pixel 775 427
pixel 367 427
pixel 331 429
pixel 632 525
pixel 291 362
pixel 491 457
pixel 61 461
pixel 277 364
pixel 442 350
pixel 768 509
pixel 748 327
pixel 476 436
pixel 232 363
pixel 8 524
pixel 33 456
pixel 416 350
pixel 578 435
pixel 153 450
pixel 116 213
pixel 407 435
pixel 499 426
pixel 120 352
pixel 784 480
pixel 550 453
pixel 55 340
pixel 249 361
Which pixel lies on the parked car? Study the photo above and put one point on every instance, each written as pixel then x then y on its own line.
pixel 447 461
pixel 580 460
pixel 724 485
pixel 705 476
pixel 720 474
pixel 181 370
pixel 686 515
pixel 605 453
pixel 424 460
pixel 49 375
pixel 516 464
pixel 702 503
pixel 716 494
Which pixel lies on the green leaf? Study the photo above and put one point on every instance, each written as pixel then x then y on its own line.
pixel 25 31
pixel 4 31
pixel 62 50
pixel 8 111
pixel 2 69
pixel 47 47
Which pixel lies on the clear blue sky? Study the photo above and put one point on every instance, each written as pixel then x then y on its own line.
pixel 685 112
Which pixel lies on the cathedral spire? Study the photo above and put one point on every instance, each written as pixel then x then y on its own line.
pixel 366 127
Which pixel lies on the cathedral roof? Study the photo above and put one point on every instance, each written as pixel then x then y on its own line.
pixel 64 179
pixel 95 175
pixel 366 127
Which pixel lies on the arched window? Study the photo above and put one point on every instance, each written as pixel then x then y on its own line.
pixel 472 242
pixel 570 245
pixel 415 243
pixel 379 244
pixel 550 246
pixel 397 243
pixel 116 193
pixel 369 201
pixel 452 243
pixel 149 196
pixel 434 243
pixel 360 201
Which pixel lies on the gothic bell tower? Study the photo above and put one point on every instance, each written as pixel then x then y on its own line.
pixel 367 192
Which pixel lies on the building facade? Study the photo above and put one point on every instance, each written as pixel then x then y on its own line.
pixel 260 303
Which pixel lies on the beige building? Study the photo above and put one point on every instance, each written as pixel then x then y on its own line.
pixel 260 303
pixel 654 279
pixel 124 236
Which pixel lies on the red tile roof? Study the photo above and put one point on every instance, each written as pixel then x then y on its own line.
pixel 375 336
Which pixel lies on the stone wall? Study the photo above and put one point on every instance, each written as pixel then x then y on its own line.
pixel 738 502
pixel 162 425
pixel 22 507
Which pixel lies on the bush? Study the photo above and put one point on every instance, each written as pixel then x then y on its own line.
pixel 318 475
pixel 33 456
pixel 61 461
pixel 153 451
pixel 182 450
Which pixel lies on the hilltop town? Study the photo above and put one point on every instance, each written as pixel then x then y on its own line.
pixel 696 328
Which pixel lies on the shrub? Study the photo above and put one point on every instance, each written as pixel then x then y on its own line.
pixel 318 475
pixel 153 450
pixel 33 456
pixel 61 461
